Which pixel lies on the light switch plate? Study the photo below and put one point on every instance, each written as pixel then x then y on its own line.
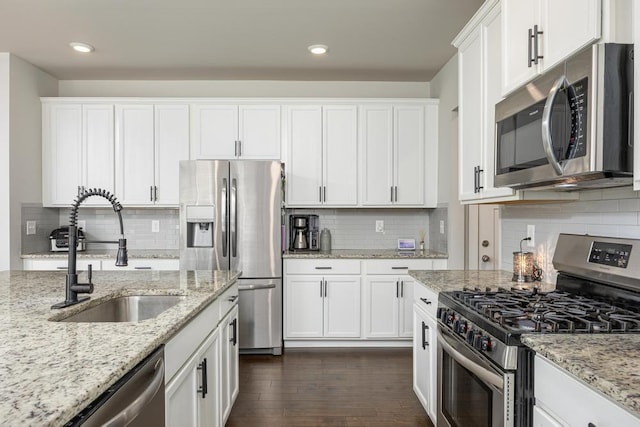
pixel 442 226
pixel 379 226
pixel 31 227
pixel 155 226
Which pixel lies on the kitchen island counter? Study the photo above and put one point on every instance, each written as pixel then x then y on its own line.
pixel 52 370
pixel 586 356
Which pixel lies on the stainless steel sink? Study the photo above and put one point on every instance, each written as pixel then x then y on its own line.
pixel 132 308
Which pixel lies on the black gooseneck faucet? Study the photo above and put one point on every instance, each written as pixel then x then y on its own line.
pixel 73 288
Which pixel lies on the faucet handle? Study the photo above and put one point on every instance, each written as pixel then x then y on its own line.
pixel 90 273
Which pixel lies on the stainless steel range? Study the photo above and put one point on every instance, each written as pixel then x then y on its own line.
pixel 486 374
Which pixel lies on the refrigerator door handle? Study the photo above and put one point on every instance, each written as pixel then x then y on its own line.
pixel 256 287
pixel 234 218
pixel 223 225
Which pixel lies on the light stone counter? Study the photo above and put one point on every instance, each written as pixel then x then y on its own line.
pixel 610 363
pixel 108 254
pixel 49 371
pixel 364 254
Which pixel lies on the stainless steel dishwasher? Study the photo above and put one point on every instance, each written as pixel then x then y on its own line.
pixel 135 400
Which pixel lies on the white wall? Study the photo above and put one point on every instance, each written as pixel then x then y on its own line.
pixel 21 85
pixel 445 87
pixel 251 88
pixel 614 212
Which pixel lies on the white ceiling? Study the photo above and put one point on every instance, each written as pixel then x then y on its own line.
pixel 374 40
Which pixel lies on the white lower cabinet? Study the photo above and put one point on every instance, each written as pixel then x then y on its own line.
pixel 563 400
pixel 425 351
pixel 43 264
pixel 101 264
pixel 201 372
pixel 389 301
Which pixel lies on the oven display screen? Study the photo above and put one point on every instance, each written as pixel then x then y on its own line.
pixel 613 254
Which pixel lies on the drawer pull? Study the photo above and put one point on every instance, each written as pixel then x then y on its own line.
pixel 324 268
pixel 141 267
pixel 426 301
pixel 61 268
pixel 399 268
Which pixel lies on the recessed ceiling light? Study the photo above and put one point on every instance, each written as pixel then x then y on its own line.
pixel 318 49
pixel 81 47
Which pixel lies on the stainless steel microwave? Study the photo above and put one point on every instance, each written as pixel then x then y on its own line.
pixel 572 127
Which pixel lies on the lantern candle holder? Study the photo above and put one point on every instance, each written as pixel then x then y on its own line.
pixel 523 267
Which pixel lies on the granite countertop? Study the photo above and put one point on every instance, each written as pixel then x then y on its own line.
pixel 364 254
pixel 586 356
pixel 610 363
pixel 108 254
pixel 52 370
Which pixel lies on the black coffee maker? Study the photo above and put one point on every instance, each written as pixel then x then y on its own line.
pixel 303 233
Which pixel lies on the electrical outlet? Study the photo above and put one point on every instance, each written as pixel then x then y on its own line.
pixel 83 224
pixel 379 226
pixel 155 226
pixel 442 226
pixel 531 232
pixel 31 227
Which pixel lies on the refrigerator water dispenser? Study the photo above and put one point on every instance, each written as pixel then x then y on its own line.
pixel 200 226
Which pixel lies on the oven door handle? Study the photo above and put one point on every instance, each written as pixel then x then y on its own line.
pixel 482 373
pixel 547 140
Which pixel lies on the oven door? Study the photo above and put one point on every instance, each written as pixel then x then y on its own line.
pixel 471 391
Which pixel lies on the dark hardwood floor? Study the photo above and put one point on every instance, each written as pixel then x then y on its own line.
pixel 328 387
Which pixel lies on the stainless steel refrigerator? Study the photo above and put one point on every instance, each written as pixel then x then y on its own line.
pixel 231 219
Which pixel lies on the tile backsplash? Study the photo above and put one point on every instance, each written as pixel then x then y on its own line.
pixel 612 213
pixel 356 228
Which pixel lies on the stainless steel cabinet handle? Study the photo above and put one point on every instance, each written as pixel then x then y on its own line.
pixel 224 217
pixel 321 289
pixel 234 330
pixel 402 288
pixel 475 179
pixel 151 193
pixel 324 194
pixel 202 367
pixel 480 187
pixel 233 298
pixel 547 140
pixel 399 268
pixel 425 343
pixel 320 194
pixel 426 301
pixel 234 218
pixel 235 148
pixel 536 53
pixel 239 148
pixel 325 288
pixel 530 48
pixel 391 194
pixel 396 193
pixel 155 193
pixel 324 268
pixel 135 407
pixel 482 373
pixel 397 289
pixel 142 268
pixel 61 268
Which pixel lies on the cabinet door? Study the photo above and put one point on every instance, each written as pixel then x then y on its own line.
pixel 342 307
pixel 405 327
pixel 181 396
pixel 214 131
pixel 209 413
pixel 408 154
pixel 491 31
pixel 98 150
pixel 382 305
pixel 424 360
pixel 558 41
pixel 304 155
pixel 542 419
pixel 259 132
pixel 376 130
pixel 470 115
pixel 171 146
pixel 229 363
pixel 61 153
pixel 134 154
pixel 340 153
pixel 518 16
pixel 303 306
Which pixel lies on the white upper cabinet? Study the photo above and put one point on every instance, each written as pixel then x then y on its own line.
pixel 538 34
pixel 399 154
pixel 479 87
pixel 322 155
pixel 77 151
pixel 150 142
pixel 220 131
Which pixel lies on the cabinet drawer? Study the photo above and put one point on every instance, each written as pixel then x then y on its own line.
pixel 426 298
pixel 322 266
pixel 144 264
pixel 228 299
pixel 396 266
pixel 59 264
pixel 570 402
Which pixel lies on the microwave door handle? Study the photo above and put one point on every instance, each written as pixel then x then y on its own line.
pixel 547 140
pixel 484 374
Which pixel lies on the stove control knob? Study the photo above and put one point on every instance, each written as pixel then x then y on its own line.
pixel 485 344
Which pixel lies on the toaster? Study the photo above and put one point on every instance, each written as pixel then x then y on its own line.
pixel 59 239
